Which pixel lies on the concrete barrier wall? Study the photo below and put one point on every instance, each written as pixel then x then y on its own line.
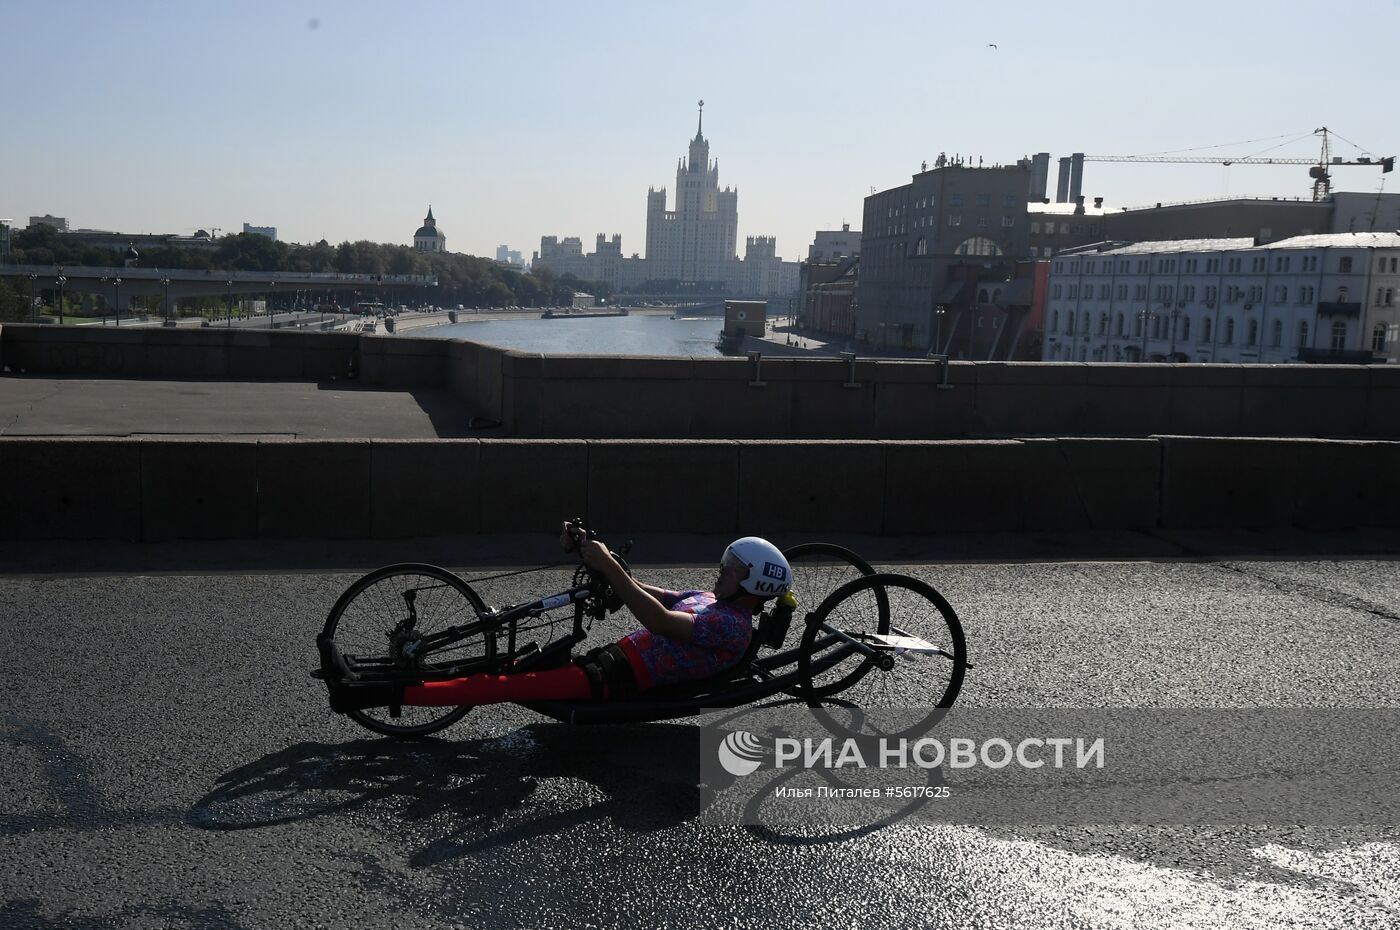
pixel 154 490
pixel 592 397
pixel 809 398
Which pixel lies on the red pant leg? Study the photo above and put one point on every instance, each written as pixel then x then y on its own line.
pixel 568 683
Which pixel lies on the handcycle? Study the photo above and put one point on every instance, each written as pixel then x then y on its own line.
pixel 410 623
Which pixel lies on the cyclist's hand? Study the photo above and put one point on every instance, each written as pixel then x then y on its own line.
pixel 596 555
pixel 571 535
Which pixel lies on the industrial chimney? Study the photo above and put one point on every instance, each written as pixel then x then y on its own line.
pixel 1062 187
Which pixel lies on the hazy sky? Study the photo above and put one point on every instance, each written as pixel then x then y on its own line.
pixel 344 120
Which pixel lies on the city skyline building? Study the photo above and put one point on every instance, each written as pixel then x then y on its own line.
pixel 1328 297
pixel 693 246
pixel 429 238
pixel 697 241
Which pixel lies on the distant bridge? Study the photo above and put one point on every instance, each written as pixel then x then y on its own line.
pixel 116 284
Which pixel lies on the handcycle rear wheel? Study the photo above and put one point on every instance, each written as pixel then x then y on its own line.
pixel 906 684
pixel 369 622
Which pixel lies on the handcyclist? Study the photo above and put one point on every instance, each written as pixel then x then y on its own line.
pixel 686 635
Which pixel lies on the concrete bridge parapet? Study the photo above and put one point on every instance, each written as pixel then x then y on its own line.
pixel 161 489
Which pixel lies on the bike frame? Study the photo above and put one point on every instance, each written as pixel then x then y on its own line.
pixel 492 624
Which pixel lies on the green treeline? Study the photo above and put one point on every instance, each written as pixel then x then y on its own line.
pixel 462 279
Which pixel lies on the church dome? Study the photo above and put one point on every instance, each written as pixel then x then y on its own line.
pixel 427 232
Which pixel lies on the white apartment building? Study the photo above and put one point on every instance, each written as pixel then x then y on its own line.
pixel 1313 298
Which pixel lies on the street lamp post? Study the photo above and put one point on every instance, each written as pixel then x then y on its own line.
pixel 1146 318
pixel 1176 312
pixel 117 299
pixel 33 315
pixel 938 330
pixel 61 280
pixel 165 283
pixel 229 285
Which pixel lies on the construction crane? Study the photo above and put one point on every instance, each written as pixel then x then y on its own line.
pixel 1320 173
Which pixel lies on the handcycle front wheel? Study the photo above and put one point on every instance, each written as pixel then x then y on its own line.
pixel 908 667
pixel 376 621
pixel 818 570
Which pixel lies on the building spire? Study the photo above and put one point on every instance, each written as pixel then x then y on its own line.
pixel 699 128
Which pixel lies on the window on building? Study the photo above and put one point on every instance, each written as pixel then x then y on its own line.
pixel 1122 292
pixel 1205 329
pixel 1344 264
pixel 1389 296
pixel 1103 324
pixel 1281 294
pixel 1341 295
pixel 1276 334
pixel 955 200
pixel 1302 334
pixel 1339 335
pixel 1064 229
pixel 984 200
pixel 982 219
pixel 1378 338
pixel 1186 329
pixel 954 219
pixel 1253 333
pixel 1118 331
pixel 1054 320
pixel 1137 324
pixel 1229 331
pixel 1008 221
pixel 1009 200
pixel 1035 229
pixel 1069 323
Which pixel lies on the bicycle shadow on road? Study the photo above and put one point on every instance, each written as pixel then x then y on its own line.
pixel 469 796
pixel 473 794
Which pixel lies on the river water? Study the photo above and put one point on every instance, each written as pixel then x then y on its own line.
pixel 607 335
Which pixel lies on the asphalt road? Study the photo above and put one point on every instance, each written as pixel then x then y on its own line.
pixel 169 763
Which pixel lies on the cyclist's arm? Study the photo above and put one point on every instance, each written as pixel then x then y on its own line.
pixel 672 624
pixel 658 593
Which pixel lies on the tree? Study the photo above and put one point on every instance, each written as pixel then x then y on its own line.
pixel 13 301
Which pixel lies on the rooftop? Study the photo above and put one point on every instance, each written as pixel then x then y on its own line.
pixel 1366 240
pixel 1066 209
pixel 1347 240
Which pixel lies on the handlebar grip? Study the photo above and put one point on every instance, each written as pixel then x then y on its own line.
pixel 577 523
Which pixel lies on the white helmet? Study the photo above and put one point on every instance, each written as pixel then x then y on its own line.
pixel 769 574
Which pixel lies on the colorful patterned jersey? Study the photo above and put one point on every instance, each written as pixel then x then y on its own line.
pixel 722 634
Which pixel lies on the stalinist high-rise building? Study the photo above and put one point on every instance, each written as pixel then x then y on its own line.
pixel 697 240
pixel 695 243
